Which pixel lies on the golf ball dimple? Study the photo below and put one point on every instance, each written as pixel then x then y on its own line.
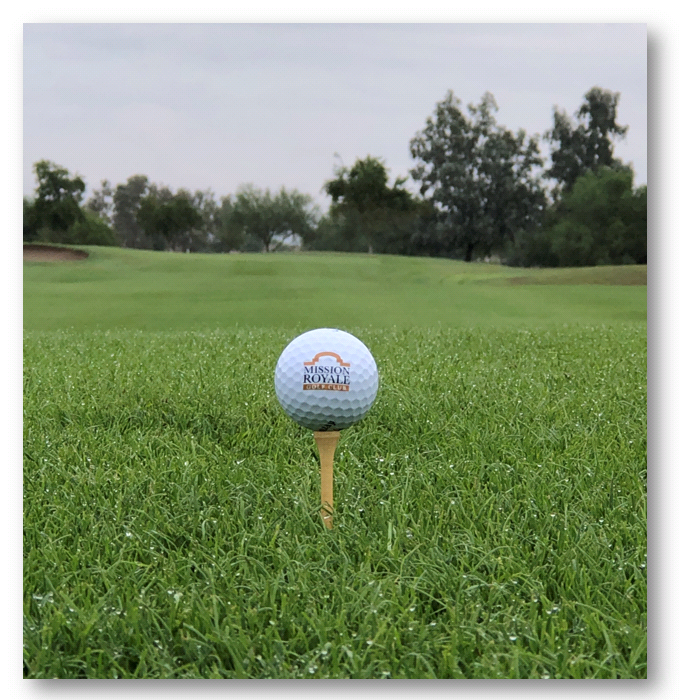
pixel 326 379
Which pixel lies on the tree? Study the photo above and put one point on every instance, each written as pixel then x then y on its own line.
pixel 258 215
pixel 101 202
pixel 126 202
pixel 55 215
pixel 90 230
pixel 230 233
pixel 205 236
pixel 368 214
pixel 56 206
pixel 602 220
pixel 586 146
pixel 480 177
pixel 167 222
pixel 31 221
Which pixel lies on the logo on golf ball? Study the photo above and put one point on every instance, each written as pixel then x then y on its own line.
pixel 326 371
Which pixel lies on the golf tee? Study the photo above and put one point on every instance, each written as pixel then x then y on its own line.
pixel 327 442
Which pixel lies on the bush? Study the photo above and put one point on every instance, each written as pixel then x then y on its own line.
pixel 88 230
pixel 601 221
pixel 251 244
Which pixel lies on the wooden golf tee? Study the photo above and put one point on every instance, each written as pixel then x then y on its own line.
pixel 327 442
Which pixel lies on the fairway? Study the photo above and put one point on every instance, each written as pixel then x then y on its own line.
pixel 120 288
pixel 490 509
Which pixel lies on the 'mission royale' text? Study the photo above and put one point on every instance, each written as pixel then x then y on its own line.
pixel 329 378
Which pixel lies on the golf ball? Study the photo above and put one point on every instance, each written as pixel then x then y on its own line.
pixel 326 379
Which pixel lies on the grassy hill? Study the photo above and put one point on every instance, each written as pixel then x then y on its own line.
pixel 490 510
pixel 146 290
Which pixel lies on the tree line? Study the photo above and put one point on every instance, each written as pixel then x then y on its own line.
pixel 483 191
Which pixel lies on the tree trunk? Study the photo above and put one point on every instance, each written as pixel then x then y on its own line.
pixel 468 252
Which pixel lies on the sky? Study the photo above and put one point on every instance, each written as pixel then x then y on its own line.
pixel 214 106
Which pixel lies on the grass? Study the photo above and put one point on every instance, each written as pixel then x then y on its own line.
pixel 119 288
pixel 490 509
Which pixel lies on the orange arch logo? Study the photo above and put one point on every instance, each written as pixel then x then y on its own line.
pixel 326 377
pixel 319 355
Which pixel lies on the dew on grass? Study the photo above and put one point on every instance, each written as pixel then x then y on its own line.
pixel 513 637
pixel 175 594
pixel 44 599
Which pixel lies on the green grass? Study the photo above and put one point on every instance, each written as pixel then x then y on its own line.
pixel 490 509
pixel 119 288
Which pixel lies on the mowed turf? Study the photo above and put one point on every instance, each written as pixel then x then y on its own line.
pixel 490 509
pixel 118 288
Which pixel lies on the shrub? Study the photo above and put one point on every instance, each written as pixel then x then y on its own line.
pixel 601 221
pixel 88 230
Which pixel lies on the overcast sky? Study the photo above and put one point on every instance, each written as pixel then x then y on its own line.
pixel 218 105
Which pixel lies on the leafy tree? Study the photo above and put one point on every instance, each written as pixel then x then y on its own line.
pixel 205 236
pixel 340 232
pixel 31 220
pixel 586 145
pixel 55 215
pixel 366 213
pixel 89 230
pixel 192 216
pixel 126 203
pixel 56 206
pixel 93 230
pixel 230 233
pixel 167 222
pixel 426 237
pixel 254 214
pixel 602 220
pixel 480 177
pixel 101 202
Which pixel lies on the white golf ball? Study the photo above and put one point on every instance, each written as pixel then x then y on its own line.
pixel 326 379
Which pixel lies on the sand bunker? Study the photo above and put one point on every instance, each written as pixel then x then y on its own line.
pixel 50 253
